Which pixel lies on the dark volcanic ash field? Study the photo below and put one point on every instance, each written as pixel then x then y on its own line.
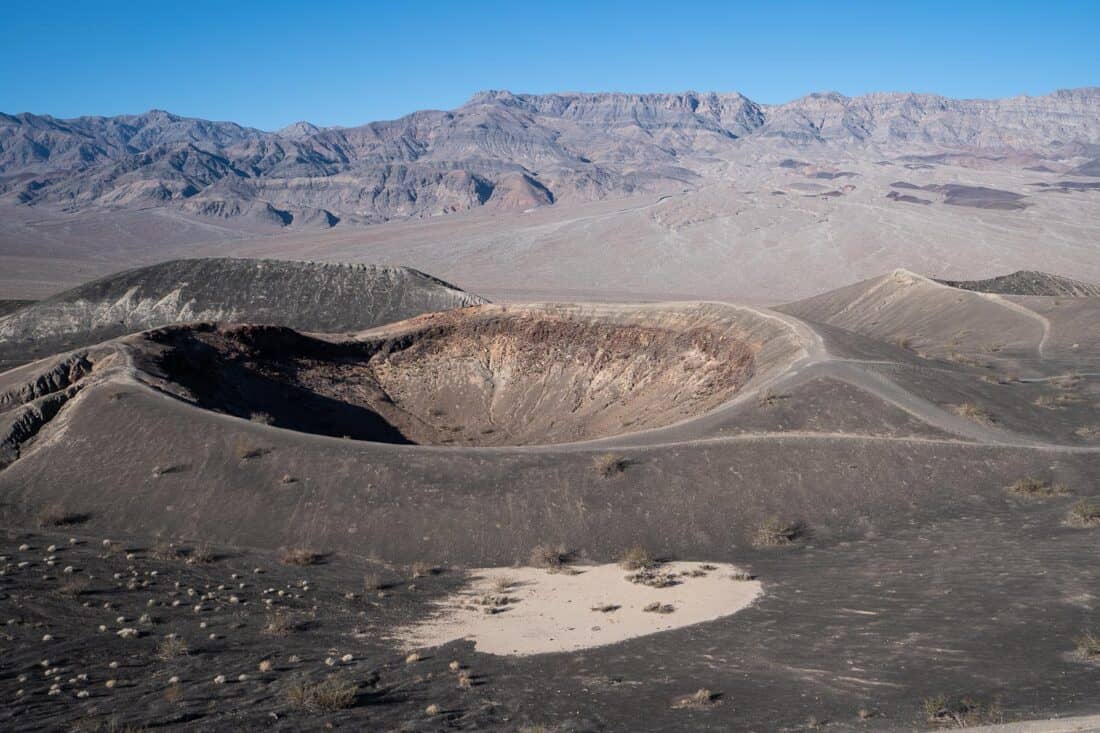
pixel 232 523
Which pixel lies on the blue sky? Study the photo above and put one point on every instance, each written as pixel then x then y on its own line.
pixel 269 64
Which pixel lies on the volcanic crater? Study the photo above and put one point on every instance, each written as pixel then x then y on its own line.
pixel 481 376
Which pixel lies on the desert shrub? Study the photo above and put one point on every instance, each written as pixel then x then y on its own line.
pixel 961 712
pixel 202 554
pixel 771 399
pixel 551 557
pixel 1085 513
pixel 636 558
pixel 373 581
pixel 609 464
pixel 701 698
pixel 327 696
pixel 245 450
pixel 658 607
pixel 164 550
pixel 1031 486
pixel 973 412
pixel 56 515
pixel 170 648
pixel 300 556
pixel 1088 645
pixel 262 418
pixel 74 587
pixel 776 532
pixel 423 569
pixel 279 624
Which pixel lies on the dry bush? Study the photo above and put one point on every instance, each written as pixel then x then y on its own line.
pixel 776 532
pixel 973 412
pixel 328 696
pixel 1088 645
pixel 279 624
pixel 658 607
pixel 962 712
pixel 201 554
pixel 56 515
pixel 609 464
pixel 652 578
pixel 550 557
pixel 502 585
pixel 636 558
pixel 423 569
pixel 699 699
pixel 1085 513
pixel 1088 431
pixel 299 556
pixel 373 581
pixel 171 648
pixel 1031 486
pixel 246 450
pixel 74 587
pixel 262 418
pixel 771 399
pixel 165 550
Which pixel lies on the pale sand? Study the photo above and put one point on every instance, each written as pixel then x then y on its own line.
pixel 553 611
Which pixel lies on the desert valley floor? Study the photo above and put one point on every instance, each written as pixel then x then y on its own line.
pixel 380 502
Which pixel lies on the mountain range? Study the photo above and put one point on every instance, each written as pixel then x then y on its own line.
pixel 502 151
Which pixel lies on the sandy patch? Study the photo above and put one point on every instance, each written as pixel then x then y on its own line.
pixel 523 611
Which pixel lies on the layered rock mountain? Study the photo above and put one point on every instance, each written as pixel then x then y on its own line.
pixel 499 150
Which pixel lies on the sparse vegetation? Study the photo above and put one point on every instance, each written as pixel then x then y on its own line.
pixel 246 450
pixel 165 550
pixel 701 698
pixel 1037 488
pixel 609 464
pixel 636 558
pixel 300 556
pixel 74 587
pixel 202 554
pixel 423 569
pixel 279 624
pixel 776 532
pixel 973 412
pixel 1085 513
pixel 170 648
pixel 964 712
pixel 550 557
pixel 658 607
pixel 1055 402
pixel 56 515
pixel 328 696
pixel 652 578
pixel 1088 645
pixel 771 399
